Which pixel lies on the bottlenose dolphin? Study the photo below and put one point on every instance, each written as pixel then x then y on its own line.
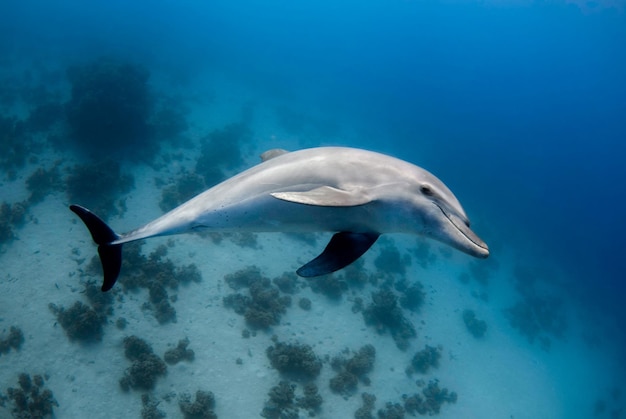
pixel 357 194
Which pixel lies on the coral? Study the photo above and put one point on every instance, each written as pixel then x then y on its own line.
pixel 264 306
pixel 186 187
pixel 179 353
pixel 169 122
pixel 537 317
pixel 332 285
pixel 311 400
pixel 350 371
pixel 304 303
pixel 220 152
pixel 146 366
pixel 80 321
pixel 425 359
pixel 96 186
pixel 475 326
pixel 109 110
pixel 294 359
pixel 149 408
pixel 413 296
pixel 430 401
pixel 31 400
pixel 390 261
pixel 14 340
pixel 11 216
pixel 136 348
pixel 44 117
pixel 384 314
pixel 154 273
pixel 356 276
pixel 344 383
pixel 365 411
pixel 201 408
pixel 243 239
pixel 243 277
pixel 42 182
pixel 281 402
pixel 267 305
pixel 391 411
pixel 100 301
pixel 423 254
pixel 287 282
pixel 17 145
pixel 435 397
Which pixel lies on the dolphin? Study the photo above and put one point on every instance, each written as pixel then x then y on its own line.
pixel 354 193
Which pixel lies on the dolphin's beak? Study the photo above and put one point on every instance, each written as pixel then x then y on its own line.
pixel 461 236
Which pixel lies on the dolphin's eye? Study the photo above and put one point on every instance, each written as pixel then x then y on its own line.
pixel 426 190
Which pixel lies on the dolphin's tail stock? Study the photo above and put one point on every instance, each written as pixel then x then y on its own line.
pixel 103 235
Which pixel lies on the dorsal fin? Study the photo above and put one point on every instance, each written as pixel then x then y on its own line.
pixel 270 154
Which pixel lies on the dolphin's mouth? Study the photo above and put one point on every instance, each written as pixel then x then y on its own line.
pixel 476 247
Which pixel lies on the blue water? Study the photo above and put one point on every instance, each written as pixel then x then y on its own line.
pixel 520 107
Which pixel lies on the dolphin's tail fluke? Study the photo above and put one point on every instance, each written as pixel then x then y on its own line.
pixel 103 235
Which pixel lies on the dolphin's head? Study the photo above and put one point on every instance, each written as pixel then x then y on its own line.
pixel 432 210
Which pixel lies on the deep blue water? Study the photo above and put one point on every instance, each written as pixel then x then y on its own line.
pixel 519 107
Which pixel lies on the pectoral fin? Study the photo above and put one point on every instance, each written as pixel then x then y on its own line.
pixel 343 249
pixel 325 196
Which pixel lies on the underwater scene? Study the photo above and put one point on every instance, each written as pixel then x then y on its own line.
pixel 413 209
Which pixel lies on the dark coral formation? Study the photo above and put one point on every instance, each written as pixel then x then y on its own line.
pixel 80 321
pixel 97 186
pixel 119 91
pixel 423 253
pixel 365 411
pixel 390 261
pixel 179 353
pixel 536 315
pixel 263 306
pixel 332 285
pixel 31 400
pixel 425 359
pixel 221 152
pixel 352 370
pixel 430 401
pixel 283 402
pixel 476 327
pixel 287 282
pixel 294 359
pixel 11 216
pixel 150 408
pixel 43 182
pixel 13 340
pixel 184 188
pixel 17 145
pixel 100 301
pixel 155 273
pixel 412 296
pixel 146 366
pixel 385 314
pixel 304 303
pixel 201 408
pixel 391 411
